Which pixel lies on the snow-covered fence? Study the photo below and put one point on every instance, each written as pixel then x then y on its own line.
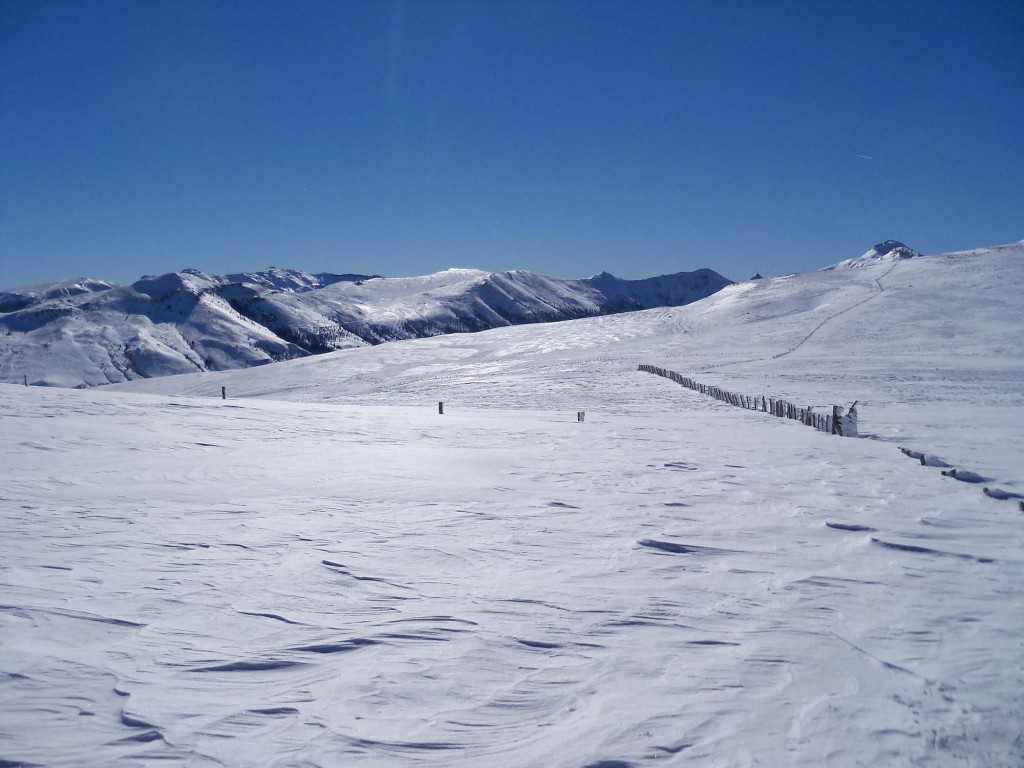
pixel 834 423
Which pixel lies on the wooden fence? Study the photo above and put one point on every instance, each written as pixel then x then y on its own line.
pixel 834 423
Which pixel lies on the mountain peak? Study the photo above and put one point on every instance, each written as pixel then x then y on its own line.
pixel 888 250
pixel 891 249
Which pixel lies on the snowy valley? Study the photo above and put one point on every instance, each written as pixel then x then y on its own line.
pixel 323 570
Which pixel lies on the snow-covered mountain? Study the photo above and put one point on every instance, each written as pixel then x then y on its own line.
pixel 87 332
pixel 19 298
pixel 888 251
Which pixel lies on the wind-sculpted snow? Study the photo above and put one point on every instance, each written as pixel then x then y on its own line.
pixel 257 583
pixel 88 333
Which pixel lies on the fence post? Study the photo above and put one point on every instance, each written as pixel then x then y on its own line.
pixel 223 393
pixel 837 424
pixel 440 407
pixel 851 421
pixel 580 415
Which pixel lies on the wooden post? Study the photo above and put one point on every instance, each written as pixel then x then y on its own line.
pixel 26 379
pixel 580 415
pixel 223 393
pixel 837 424
pixel 440 407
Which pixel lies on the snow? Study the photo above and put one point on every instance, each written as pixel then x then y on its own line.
pixel 19 298
pixel 322 570
pixel 55 336
pixel 890 250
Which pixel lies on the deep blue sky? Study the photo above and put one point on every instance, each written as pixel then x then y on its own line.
pixel 565 137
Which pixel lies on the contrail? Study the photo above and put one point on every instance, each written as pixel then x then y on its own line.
pixel 865 157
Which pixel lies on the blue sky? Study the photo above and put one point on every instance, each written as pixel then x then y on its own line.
pixel 403 138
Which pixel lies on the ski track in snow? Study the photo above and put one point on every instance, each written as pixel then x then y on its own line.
pixel 353 579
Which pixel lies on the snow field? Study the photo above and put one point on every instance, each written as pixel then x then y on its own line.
pixel 266 583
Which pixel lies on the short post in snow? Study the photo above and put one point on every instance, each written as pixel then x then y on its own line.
pixel 223 393
pixel 851 421
pixel 581 415
pixel 26 379
pixel 837 421
pixel 440 407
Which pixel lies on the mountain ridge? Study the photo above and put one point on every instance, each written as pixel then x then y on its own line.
pixel 85 332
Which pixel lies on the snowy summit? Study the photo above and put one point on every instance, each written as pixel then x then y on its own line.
pixel 890 250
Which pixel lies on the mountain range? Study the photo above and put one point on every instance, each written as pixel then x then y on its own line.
pixel 87 332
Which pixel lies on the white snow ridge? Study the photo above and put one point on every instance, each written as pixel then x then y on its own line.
pixel 322 570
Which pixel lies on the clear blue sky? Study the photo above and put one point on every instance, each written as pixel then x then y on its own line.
pixel 564 137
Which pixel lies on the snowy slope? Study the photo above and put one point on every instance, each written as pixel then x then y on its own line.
pixel 350 578
pixel 77 334
pixel 19 298
pixel 917 342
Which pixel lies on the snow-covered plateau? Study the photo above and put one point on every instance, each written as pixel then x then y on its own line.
pixel 322 570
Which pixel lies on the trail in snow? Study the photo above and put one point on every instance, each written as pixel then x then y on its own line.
pixel 838 314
